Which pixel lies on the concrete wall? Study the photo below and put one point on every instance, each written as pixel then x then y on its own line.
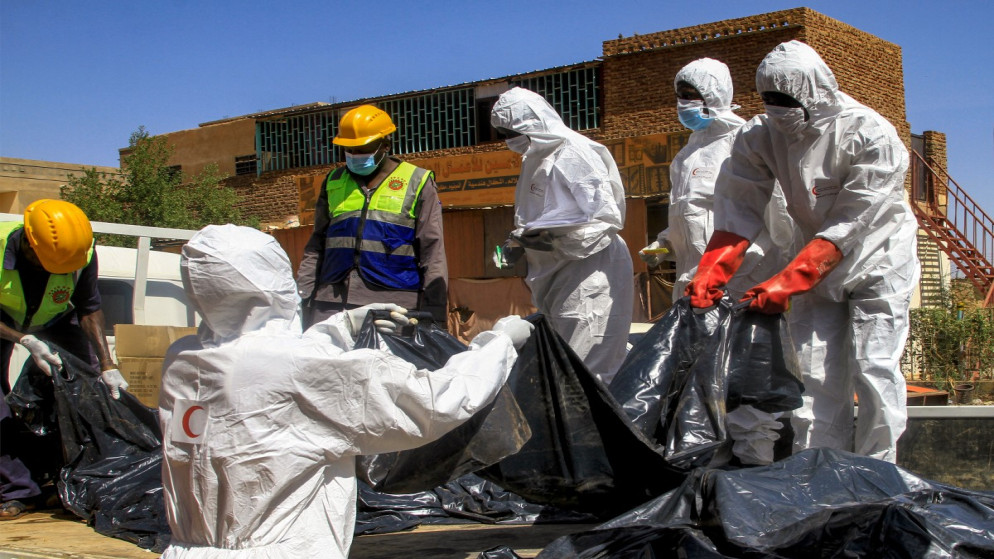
pixel 950 444
pixel 219 143
pixel 23 181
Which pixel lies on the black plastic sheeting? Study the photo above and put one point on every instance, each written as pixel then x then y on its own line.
pixel 693 366
pixel 757 358
pixel 583 454
pixel 818 503
pixel 466 499
pixel 491 434
pixel 112 476
pixel 586 452
pixel 424 344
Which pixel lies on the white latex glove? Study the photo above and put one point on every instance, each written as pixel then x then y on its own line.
pixel 654 254
pixel 398 318
pixel 516 328
pixel 115 381
pixel 46 359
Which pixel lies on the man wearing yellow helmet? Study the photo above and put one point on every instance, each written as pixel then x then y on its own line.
pixel 377 229
pixel 48 294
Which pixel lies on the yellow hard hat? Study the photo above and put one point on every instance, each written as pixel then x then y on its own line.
pixel 362 125
pixel 59 233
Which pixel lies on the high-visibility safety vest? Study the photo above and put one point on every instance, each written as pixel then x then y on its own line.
pixel 374 232
pixel 55 303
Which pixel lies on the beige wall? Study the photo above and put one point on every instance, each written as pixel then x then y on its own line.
pixel 23 181
pixel 219 143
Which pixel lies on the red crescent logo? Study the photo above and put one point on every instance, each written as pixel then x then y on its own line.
pixel 186 421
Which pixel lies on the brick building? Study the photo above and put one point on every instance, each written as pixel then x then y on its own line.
pixel 624 100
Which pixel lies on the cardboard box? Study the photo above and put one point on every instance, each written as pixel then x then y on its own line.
pixel 136 340
pixel 140 351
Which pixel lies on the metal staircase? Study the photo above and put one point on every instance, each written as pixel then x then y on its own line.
pixel 934 280
pixel 955 223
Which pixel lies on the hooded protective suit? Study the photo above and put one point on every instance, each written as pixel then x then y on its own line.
pixel 693 173
pixel 842 172
pixel 261 423
pixel 570 188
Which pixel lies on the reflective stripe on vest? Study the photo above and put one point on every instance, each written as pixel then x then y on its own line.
pixel 374 234
pixel 55 302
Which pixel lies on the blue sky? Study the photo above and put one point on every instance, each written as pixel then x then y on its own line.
pixel 76 78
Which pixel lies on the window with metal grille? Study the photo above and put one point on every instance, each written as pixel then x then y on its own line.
pixel 438 120
pixel 245 164
pixel 297 141
pixel 573 93
pixel 425 122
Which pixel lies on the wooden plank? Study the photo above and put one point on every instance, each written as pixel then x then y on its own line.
pixel 63 536
pixel 463 243
pixel 634 233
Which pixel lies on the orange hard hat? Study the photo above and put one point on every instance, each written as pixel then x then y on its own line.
pixel 59 233
pixel 362 125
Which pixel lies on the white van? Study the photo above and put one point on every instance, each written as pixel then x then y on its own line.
pixel 165 300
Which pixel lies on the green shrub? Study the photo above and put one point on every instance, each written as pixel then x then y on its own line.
pixel 950 343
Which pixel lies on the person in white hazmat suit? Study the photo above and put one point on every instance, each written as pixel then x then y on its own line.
pixel 704 105
pixel 569 205
pixel 841 166
pixel 261 423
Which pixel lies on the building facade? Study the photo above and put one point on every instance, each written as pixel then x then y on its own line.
pixel 23 181
pixel 624 100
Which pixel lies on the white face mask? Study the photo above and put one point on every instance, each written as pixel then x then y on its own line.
pixel 790 121
pixel 518 144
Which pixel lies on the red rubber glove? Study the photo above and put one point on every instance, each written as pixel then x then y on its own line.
pixel 814 262
pixel 721 259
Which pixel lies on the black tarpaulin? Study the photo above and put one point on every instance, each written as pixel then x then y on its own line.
pixel 491 434
pixel 818 503
pixel 112 450
pixel 693 366
pixel 584 453
pixel 466 499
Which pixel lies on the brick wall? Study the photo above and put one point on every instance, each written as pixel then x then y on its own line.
pixel 935 147
pixel 637 85
pixel 638 71
pixel 272 197
pixel 638 88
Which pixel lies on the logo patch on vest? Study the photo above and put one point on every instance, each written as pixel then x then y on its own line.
pixel 396 184
pixel 60 295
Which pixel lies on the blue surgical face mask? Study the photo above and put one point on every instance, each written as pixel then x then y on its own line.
pixel 363 164
pixel 692 114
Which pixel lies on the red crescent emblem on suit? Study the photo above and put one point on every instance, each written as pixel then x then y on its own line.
pixel 186 421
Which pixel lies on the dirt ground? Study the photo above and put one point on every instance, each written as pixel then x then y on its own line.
pixel 59 535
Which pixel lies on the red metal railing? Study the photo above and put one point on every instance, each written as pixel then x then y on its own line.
pixel 955 222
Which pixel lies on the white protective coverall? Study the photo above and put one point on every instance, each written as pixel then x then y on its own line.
pixel 261 423
pixel 570 186
pixel 693 174
pixel 843 176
